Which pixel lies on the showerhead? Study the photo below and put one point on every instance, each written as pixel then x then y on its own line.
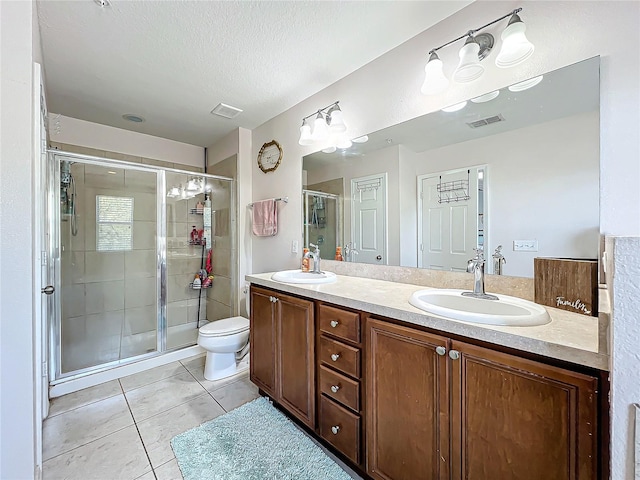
pixel 65 173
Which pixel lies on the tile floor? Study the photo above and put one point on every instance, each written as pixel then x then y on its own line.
pixel 120 430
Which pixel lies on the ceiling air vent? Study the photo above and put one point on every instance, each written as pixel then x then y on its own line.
pixel 486 121
pixel 226 111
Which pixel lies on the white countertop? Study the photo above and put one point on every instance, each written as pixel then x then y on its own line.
pixel 570 336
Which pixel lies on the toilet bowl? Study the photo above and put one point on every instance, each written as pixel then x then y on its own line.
pixel 225 341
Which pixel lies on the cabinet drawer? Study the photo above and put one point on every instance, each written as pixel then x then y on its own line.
pixel 340 388
pixel 340 356
pixel 340 323
pixel 340 428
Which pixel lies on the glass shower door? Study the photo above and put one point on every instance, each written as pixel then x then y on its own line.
pixel 107 263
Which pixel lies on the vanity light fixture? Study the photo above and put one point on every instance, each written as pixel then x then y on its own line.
pixel 328 123
pixel 515 49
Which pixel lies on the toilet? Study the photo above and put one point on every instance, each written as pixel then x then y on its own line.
pixel 227 344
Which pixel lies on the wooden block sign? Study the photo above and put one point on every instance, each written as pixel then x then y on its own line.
pixel 567 283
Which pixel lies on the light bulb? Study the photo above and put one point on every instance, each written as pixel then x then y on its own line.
pixel 343 142
pixel 469 68
pixel 320 129
pixel 516 48
pixel 434 80
pixel 336 120
pixel 455 108
pixel 330 149
pixel 487 97
pixel 362 139
pixel 305 134
pixel 527 84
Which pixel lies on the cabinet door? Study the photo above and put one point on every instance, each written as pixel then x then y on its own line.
pixel 296 357
pixel 262 336
pixel 407 403
pixel 518 419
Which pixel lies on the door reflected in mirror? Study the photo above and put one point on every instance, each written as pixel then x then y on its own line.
pixel 531 162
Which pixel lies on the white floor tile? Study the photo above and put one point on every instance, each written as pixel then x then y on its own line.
pixel 82 425
pixel 158 430
pixel 147 476
pixel 150 376
pixel 197 370
pixel 119 455
pixel 84 397
pixel 162 395
pixel 235 394
pixel 169 471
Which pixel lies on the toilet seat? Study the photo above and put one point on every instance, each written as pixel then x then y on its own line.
pixel 224 327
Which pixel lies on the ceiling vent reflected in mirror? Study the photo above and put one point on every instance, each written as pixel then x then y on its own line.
pixel 486 121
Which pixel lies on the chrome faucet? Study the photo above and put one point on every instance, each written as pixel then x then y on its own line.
pixel 498 261
pixel 315 256
pixel 349 252
pixel 476 266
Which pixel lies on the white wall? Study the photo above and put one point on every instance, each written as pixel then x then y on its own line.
pixel 542 183
pixel 387 91
pixel 238 143
pixel 17 424
pixel 102 137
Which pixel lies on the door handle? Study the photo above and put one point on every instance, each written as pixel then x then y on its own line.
pixel 379 257
pixel 48 290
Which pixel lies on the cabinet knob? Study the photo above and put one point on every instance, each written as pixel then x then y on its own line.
pixel 273 299
pixel 335 356
pixel 335 388
pixel 335 429
pixel 441 350
pixel 454 354
pixel 334 323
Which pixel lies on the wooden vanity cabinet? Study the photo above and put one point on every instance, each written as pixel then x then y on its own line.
pixel 407 403
pixel 439 408
pixel 341 406
pixel 283 351
pixel 519 419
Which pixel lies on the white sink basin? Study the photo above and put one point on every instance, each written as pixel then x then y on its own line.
pixel 504 311
pixel 298 276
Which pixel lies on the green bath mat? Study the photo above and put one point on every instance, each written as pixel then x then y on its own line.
pixel 252 442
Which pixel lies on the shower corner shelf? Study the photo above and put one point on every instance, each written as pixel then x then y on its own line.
pixel 195 211
pixel 201 287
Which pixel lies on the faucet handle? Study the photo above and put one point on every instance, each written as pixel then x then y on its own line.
pixel 479 254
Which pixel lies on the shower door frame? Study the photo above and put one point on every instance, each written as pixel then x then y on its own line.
pixel 305 213
pixel 52 225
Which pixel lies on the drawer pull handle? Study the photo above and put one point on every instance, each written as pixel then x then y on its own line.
pixel 335 356
pixel 441 350
pixel 454 354
pixel 335 429
pixel 334 323
pixel 335 388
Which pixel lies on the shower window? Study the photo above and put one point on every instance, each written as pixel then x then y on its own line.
pixel 114 223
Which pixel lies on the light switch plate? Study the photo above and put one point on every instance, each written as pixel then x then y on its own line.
pixel 525 245
pixel 294 246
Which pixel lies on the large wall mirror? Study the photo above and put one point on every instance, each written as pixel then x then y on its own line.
pixel 517 168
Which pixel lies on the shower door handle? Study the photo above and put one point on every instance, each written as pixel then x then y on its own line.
pixel 48 290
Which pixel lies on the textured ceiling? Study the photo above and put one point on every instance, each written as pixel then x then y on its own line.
pixel 173 61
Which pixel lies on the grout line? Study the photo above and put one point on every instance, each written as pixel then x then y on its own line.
pixel 210 393
pixel 171 408
pixel 80 406
pixel 155 381
pixel 139 434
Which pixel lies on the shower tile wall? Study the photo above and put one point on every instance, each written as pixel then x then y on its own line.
pixel 109 304
pixel 183 263
pixel 221 298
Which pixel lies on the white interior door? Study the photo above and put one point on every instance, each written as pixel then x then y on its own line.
pixel 369 218
pixel 40 266
pixel 449 230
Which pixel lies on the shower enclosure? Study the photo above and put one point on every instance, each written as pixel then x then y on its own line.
pixel 323 222
pixel 127 242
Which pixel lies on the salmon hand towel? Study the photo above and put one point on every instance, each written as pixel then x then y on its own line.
pixel 264 219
